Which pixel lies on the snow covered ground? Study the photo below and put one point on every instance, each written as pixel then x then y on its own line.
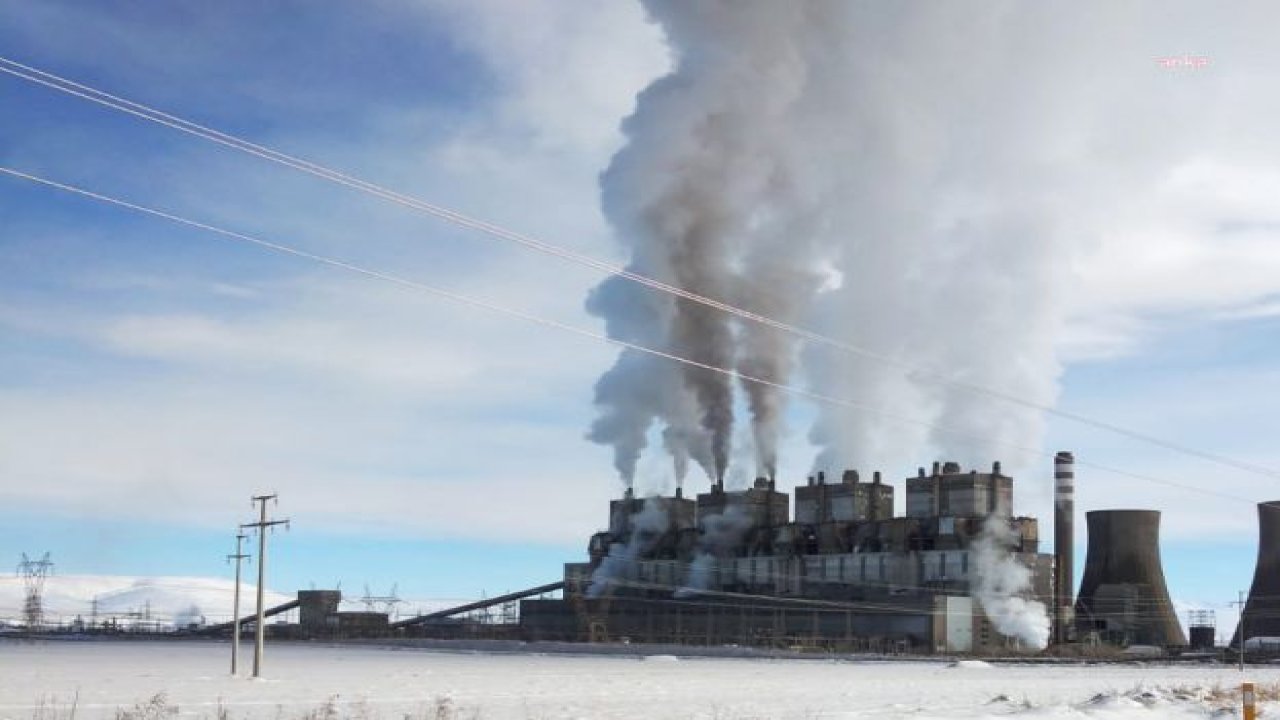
pixel 40 681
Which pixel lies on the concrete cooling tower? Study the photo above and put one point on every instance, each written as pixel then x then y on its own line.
pixel 1123 598
pixel 1261 617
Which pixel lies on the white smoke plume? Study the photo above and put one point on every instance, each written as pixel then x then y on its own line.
pixel 715 193
pixel 984 156
pixel 719 534
pixel 646 529
pixel 192 615
pixel 950 166
pixel 1000 584
pixel 699 578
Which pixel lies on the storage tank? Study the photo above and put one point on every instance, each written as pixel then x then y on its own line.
pixel 1261 616
pixel 1123 597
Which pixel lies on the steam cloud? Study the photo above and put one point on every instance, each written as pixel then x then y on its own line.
pixel 720 533
pixel 712 193
pixel 914 180
pixel 647 527
pixel 1000 583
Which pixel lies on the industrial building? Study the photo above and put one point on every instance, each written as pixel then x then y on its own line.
pixel 732 566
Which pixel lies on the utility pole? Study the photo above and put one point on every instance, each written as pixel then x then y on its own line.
pixel 1241 603
pixel 235 605
pixel 263 524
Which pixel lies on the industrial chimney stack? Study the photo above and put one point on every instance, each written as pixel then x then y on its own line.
pixel 1064 511
pixel 1261 615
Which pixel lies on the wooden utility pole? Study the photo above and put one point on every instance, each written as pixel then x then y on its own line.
pixel 235 605
pixel 263 524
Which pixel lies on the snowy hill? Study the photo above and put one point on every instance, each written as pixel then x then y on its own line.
pixel 165 600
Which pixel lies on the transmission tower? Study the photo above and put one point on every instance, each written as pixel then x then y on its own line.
pixel 34 573
pixel 382 603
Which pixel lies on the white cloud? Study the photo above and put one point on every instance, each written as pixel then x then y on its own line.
pixel 372 409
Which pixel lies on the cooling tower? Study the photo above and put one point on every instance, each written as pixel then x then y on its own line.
pixel 1261 617
pixel 1123 597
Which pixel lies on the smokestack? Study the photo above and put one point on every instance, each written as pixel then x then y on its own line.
pixel 1261 615
pixel 1123 595
pixel 993 489
pixel 1064 559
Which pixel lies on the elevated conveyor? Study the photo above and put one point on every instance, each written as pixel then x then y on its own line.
pixel 480 604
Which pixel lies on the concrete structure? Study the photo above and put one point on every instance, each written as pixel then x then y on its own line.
pixel 1202 627
pixel 316 607
pixel 950 492
pixel 1123 597
pixel 1064 566
pixel 1261 616
pixel 845 573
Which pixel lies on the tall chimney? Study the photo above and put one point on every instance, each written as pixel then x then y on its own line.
pixel 1064 512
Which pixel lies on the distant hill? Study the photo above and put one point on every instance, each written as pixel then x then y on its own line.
pixel 165 600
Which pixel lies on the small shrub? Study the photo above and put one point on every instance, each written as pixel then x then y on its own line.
pixel 157 707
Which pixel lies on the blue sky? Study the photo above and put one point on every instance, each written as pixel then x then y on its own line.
pixel 153 377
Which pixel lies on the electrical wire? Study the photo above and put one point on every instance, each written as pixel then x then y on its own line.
pixel 582 332
pixel 150 114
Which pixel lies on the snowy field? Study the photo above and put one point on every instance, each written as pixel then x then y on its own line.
pixel 45 681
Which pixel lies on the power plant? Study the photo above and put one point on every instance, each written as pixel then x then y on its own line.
pixel 956 572
pixel 733 567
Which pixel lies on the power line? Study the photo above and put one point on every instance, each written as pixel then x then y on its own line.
pixel 529 317
pixel 150 114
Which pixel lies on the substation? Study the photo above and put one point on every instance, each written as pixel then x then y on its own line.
pixel 844 573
